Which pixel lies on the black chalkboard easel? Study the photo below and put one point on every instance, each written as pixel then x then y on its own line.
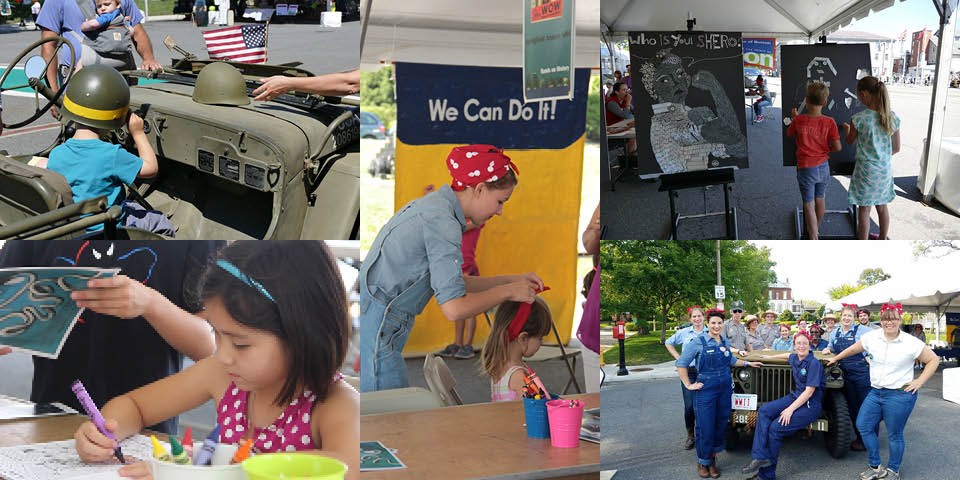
pixel 673 182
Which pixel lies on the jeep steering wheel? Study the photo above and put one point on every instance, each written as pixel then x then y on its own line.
pixel 40 86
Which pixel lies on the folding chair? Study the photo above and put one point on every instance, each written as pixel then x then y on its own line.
pixel 398 400
pixel 549 352
pixel 440 380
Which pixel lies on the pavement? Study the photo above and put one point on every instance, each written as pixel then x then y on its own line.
pixel 766 195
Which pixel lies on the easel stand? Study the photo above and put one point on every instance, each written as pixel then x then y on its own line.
pixel 852 213
pixel 674 182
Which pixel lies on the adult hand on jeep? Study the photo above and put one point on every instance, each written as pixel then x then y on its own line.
pixel 695 386
pixel 5 350
pixel 785 417
pixel 119 296
pixel 831 362
pixel 755 364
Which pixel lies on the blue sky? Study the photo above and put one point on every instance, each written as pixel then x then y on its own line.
pixel 911 14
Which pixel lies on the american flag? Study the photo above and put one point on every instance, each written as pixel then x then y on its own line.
pixel 247 43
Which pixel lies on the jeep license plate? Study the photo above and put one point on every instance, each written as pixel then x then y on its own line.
pixel 744 401
pixel 741 418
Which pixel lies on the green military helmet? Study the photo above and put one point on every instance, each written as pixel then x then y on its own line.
pixel 97 96
pixel 220 84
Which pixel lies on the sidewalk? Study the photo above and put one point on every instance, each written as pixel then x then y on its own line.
pixel 637 372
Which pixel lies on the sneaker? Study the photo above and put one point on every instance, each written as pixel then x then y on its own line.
pixel 891 475
pixel 872 473
pixel 465 352
pixel 754 466
pixel 759 118
pixel 450 351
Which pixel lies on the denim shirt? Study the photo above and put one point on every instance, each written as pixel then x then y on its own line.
pixel 422 239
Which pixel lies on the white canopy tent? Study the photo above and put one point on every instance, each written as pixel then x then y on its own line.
pixel 787 19
pixel 928 290
pixel 488 32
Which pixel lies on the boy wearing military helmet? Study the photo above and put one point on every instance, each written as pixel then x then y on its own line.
pixel 96 101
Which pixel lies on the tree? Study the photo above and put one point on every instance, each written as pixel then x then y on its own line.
pixel 663 278
pixel 786 316
pixel 377 87
pixel 594 102
pixel 821 311
pixel 809 317
pixel 935 248
pixel 837 293
pixel 872 276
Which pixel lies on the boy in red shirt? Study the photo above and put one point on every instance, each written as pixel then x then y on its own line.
pixel 816 137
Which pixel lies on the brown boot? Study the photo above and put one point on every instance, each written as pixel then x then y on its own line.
pixel 691 441
pixel 714 471
pixel 703 471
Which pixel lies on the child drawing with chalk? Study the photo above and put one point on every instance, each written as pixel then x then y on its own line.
pixel 517 332
pixel 279 314
pixel 877 133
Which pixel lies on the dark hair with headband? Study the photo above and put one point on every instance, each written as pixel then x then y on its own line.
pixel 494 357
pixel 292 290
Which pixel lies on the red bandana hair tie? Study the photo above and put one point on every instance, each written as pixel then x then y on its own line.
pixel 850 305
pixel 892 306
pixel 471 165
pixel 690 309
pixel 523 312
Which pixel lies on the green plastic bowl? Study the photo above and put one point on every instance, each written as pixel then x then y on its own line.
pixel 274 466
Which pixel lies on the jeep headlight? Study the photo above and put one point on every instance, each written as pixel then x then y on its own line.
pixel 744 374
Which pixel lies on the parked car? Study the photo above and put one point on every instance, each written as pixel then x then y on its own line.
pixel 371 126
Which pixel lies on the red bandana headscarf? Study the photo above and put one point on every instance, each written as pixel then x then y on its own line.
pixel 471 165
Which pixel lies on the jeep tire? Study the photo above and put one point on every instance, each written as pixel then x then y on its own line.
pixel 839 432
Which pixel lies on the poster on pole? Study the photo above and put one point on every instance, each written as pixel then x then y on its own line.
pixel 688 101
pixel 838 66
pixel 548 49
pixel 760 53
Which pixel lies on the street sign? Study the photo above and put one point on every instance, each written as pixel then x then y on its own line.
pixel 719 292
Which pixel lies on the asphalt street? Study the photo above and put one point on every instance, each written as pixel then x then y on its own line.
pixel 330 50
pixel 643 433
pixel 766 194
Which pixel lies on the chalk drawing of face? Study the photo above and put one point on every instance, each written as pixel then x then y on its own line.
pixel 671 82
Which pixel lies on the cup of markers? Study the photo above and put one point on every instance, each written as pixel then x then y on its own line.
pixel 535 399
pixel 208 460
pixel 565 418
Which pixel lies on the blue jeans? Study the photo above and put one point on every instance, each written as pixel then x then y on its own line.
pixel 382 338
pixel 856 386
pixel 769 435
pixel 758 106
pixel 712 406
pixel 893 407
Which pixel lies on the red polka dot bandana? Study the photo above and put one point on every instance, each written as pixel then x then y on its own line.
pixel 471 165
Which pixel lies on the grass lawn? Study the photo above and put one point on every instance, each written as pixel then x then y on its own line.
pixel 640 350
pixel 156 7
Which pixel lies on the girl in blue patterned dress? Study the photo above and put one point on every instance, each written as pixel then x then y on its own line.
pixel 877 131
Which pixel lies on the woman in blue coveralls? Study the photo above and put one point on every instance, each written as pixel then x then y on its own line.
pixel 417 256
pixel 713 390
pixel 679 339
pixel 789 413
pixel 856 372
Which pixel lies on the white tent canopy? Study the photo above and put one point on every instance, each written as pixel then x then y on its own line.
pixel 487 32
pixel 783 18
pixel 924 291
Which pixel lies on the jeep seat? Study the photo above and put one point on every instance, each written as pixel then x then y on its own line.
pixel 27 191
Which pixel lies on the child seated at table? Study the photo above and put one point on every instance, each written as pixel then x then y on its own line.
pixel 513 336
pixel 278 312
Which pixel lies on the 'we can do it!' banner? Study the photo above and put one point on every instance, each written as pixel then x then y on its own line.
pixel 443 106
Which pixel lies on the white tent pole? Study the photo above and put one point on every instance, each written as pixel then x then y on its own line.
pixel 363 24
pixel 938 106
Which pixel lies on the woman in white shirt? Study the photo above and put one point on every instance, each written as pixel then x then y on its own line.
pixel 893 391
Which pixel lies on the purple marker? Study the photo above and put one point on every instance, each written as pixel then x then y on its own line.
pixel 95 416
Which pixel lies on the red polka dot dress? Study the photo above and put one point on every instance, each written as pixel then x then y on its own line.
pixel 289 432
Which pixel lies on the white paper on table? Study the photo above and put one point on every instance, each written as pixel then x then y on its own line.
pixel 59 460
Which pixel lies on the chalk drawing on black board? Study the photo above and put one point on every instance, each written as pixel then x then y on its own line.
pixel 685 138
pixel 817 70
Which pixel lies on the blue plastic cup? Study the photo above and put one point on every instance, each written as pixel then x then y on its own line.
pixel 535 411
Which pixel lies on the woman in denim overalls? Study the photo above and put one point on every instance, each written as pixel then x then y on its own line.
pixel 417 255
pixel 856 372
pixel 712 391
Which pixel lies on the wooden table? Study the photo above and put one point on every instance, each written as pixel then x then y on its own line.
pixel 485 440
pixel 39 430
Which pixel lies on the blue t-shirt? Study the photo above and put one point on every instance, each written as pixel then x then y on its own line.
pixel 104 19
pixel 94 168
pixel 60 16
pixel 807 373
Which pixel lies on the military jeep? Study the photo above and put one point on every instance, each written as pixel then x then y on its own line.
pixel 755 386
pixel 288 168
